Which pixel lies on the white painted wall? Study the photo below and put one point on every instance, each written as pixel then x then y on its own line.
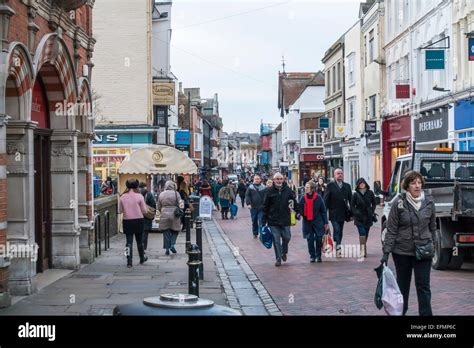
pixel 162 40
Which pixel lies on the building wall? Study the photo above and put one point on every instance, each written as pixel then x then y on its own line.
pixel 161 40
pixel 122 29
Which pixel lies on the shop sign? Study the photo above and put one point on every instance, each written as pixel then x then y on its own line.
pixel 431 127
pixel 402 91
pixel 163 93
pixel 370 126
pixel 471 48
pixel 182 137
pixel 434 60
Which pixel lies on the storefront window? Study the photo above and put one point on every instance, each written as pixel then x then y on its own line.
pixel 397 149
pixel 107 161
pixel 466 141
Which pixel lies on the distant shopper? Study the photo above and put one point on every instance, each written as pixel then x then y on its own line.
pixel 277 205
pixel 183 190
pixel 132 205
pixel 315 220
pixel 148 223
pixel 216 186
pixel 107 187
pixel 241 189
pixel 363 208
pixel 254 199
pixel 206 189
pixel 170 224
pixel 412 221
pixel 226 198
pixel 337 199
pixel 269 183
pixel 321 186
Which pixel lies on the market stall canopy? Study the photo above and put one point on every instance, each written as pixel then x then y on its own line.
pixel 158 159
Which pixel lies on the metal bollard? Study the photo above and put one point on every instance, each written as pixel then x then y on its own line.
pixel 187 225
pixel 193 264
pixel 199 244
pixel 97 234
pixel 107 230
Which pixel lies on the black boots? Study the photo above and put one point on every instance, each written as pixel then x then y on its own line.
pixel 129 251
pixel 141 252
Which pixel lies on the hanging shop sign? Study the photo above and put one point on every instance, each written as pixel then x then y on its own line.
pixel 471 48
pixel 370 126
pixel 434 60
pixel 163 93
pixel 402 91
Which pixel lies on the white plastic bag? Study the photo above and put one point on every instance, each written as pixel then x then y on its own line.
pixel 392 298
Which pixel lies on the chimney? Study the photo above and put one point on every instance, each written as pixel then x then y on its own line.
pixel 180 87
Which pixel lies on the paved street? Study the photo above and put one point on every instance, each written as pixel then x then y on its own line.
pixel 338 286
pixel 99 287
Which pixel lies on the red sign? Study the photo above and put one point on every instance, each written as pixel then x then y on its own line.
pixel 266 141
pixel 311 157
pixel 402 91
pixel 39 112
pixel 118 158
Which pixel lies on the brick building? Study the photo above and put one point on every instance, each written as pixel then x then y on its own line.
pixel 45 139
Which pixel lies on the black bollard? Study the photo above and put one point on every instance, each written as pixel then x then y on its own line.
pixel 193 269
pixel 187 226
pixel 199 244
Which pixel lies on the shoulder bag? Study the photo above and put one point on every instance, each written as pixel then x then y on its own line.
pixel 424 250
pixel 150 211
pixel 178 212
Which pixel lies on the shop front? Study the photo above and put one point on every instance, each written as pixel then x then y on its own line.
pixel 464 125
pixel 351 164
pixel 374 159
pixel 113 146
pixel 431 129
pixel 396 141
pixel 313 165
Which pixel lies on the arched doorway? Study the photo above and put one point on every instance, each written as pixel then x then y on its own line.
pixel 42 175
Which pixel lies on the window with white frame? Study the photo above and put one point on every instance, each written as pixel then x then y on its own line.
pixel 328 83
pixel 465 141
pixel 371 46
pixel 351 111
pixel 350 70
pixel 197 141
pixel 311 138
pixel 372 107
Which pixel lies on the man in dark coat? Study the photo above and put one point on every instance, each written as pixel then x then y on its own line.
pixel 337 200
pixel 149 200
pixel 277 204
pixel 254 199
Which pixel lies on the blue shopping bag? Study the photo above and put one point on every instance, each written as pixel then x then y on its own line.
pixel 233 210
pixel 266 237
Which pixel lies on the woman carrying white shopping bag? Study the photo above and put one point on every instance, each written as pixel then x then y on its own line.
pixel 411 226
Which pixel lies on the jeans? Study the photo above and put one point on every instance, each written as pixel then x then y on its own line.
pixel 404 265
pixel 337 226
pixel 363 231
pixel 280 233
pixel 257 216
pixel 314 251
pixel 242 200
pixel 169 239
pixel 132 228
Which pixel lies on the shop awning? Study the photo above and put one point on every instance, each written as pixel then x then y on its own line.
pixel 158 159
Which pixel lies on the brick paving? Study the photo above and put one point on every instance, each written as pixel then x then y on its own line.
pixel 337 286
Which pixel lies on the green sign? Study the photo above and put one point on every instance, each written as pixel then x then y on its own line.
pixel 324 122
pixel 434 59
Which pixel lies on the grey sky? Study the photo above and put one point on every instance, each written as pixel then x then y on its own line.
pixel 239 57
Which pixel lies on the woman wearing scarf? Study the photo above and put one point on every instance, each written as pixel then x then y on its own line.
pixel 363 208
pixel 412 219
pixel 315 220
pixel 226 198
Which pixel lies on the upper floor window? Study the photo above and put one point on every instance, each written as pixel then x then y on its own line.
pixel 350 70
pixel 371 46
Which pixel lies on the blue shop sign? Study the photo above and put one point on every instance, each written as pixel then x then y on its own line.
pixel 122 138
pixel 471 49
pixel 464 114
pixel 434 59
pixel 182 137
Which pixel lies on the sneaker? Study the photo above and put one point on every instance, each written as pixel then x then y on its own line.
pixel 167 252
pixel 318 260
pixel 173 250
pixel 278 263
pixel 283 257
pixel 255 236
pixel 129 265
pixel 312 260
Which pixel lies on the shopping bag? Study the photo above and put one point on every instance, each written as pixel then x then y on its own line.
pixel 327 243
pixel 233 210
pixel 392 298
pixel 378 289
pixel 292 218
pixel 266 237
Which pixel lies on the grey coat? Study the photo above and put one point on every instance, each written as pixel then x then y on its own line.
pixel 254 196
pixel 401 230
pixel 167 202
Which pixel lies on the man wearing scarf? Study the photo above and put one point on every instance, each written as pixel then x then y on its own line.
pixel 315 221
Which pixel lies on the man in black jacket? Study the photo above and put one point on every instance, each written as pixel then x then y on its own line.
pixel 254 199
pixel 278 202
pixel 337 200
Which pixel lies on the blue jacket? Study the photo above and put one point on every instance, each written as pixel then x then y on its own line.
pixel 320 217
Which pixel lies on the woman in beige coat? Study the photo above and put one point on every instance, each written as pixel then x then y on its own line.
pixel 167 203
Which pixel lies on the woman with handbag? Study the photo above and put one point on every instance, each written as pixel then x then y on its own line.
pixel 363 209
pixel 411 226
pixel 132 205
pixel 226 199
pixel 150 214
pixel 170 206
pixel 315 220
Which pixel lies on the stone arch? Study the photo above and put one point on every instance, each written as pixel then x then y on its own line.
pixel 53 64
pixel 17 82
pixel 84 120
